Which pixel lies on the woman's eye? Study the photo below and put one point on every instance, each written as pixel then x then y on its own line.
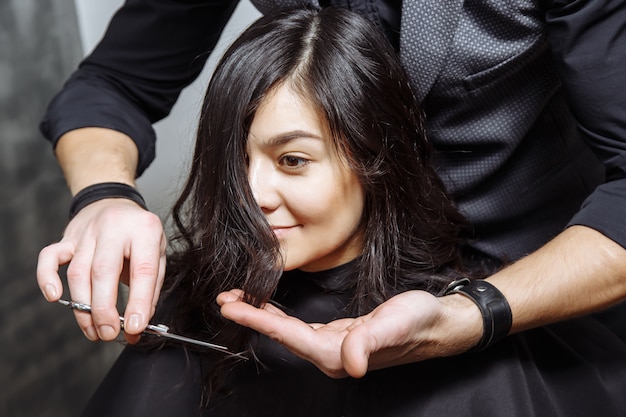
pixel 291 161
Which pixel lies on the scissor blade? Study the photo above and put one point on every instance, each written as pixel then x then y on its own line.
pixel 158 331
pixel 152 330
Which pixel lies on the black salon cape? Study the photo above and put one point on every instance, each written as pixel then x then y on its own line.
pixel 576 368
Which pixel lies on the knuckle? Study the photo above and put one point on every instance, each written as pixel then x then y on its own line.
pixel 105 315
pixel 150 221
pixel 52 251
pixel 104 269
pixel 145 270
pixel 77 272
pixel 101 311
pixel 46 252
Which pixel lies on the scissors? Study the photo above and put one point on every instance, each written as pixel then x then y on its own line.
pixel 159 330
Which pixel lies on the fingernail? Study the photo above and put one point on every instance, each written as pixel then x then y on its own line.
pixel 50 292
pixel 106 332
pixel 134 322
pixel 91 333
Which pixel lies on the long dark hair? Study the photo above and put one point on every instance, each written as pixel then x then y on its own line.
pixel 338 62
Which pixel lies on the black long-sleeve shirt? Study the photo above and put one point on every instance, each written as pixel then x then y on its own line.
pixel 508 119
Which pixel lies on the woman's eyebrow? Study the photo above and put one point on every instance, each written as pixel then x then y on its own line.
pixel 283 138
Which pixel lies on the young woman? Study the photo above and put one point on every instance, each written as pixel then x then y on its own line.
pixel 313 190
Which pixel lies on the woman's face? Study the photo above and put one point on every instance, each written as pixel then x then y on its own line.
pixel 310 197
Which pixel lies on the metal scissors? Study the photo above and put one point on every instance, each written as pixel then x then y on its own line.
pixel 159 330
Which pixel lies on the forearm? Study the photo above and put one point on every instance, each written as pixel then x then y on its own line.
pixel 579 272
pixel 94 155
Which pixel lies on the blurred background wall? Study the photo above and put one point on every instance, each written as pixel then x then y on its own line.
pixel 47 368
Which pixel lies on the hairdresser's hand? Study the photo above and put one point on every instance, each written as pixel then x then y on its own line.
pixel 409 327
pixel 108 242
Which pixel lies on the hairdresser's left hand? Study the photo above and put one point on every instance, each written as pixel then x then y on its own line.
pixel 410 327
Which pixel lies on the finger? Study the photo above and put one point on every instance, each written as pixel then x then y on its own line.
pixel 238 295
pixel 134 338
pixel 106 269
pixel 79 282
pixel 48 262
pixel 294 334
pixel 229 297
pixel 147 267
pixel 160 279
pixel 318 344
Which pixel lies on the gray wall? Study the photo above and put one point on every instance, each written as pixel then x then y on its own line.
pixel 47 368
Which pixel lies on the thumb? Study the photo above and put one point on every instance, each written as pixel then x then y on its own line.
pixel 356 349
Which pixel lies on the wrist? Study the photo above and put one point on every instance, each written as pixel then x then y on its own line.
pixel 101 191
pixel 462 325
pixel 493 305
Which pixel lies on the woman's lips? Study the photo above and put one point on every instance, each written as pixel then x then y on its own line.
pixel 280 231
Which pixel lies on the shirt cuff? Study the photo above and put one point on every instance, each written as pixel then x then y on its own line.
pixel 84 104
pixel 605 211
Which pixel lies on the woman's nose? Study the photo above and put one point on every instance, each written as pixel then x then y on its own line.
pixel 264 182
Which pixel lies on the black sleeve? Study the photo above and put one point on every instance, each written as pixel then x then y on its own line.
pixel 588 38
pixel 152 49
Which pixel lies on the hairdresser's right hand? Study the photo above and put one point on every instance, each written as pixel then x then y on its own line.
pixel 108 242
